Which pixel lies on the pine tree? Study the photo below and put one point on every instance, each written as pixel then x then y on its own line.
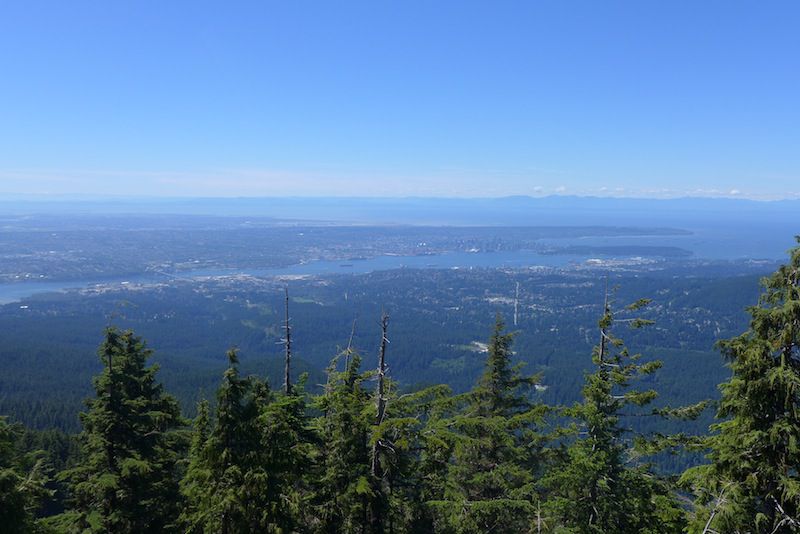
pixel 126 480
pixel 489 483
pixel 594 489
pixel 22 482
pixel 752 483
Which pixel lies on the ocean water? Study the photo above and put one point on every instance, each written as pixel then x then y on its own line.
pixel 721 241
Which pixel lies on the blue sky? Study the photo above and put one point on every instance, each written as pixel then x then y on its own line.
pixel 154 98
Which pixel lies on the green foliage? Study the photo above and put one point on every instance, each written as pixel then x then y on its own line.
pixel 225 480
pixel 344 491
pixel 407 477
pixel 246 468
pixel 45 350
pixel 370 476
pixel 287 451
pixel 752 482
pixel 493 442
pixel 366 456
pixel 23 480
pixel 126 478
pixel 593 488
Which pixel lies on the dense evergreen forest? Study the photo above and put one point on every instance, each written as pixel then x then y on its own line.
pixel 440 318
pixel 363 455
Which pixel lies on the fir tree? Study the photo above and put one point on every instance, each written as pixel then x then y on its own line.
pixel 594 489
pixel 287 452
pixel 408 474
pixel 752 483
pixel 489 482
pixel 344 489
pixel 369 479
pixel 397 497
pixel 198 475
pixel 225 482
pixel 126 480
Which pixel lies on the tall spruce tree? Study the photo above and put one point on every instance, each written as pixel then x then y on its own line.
pixel 198 475
pixel 397 496
pixel 752 483
pixel 286 451
pixel 368 476
pixel 344 489
pixel 489 483
pixel 594 488
pixel 225 483
pixel 407 474
pixel 126 480
pixel 287 442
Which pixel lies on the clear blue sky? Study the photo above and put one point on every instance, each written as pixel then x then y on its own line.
pixel 376 98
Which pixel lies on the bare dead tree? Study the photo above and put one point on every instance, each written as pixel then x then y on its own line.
pixel 719 501
pixel 349 350
pixel 110 452
pixel 603 334
pixel 380 400
pixel 287 343
pixel 538 517
pixel 786 519
pixel 376 517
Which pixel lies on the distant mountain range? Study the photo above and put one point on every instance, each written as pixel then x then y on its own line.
pixel 505 211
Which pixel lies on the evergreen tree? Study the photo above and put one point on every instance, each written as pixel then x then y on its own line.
pixel 287 452
pixel 593 489
pixel 22 482
pixel 397 496
pixel 489 482
pixel 198 476
pixel 225 482
pixel 409 475
pixel 752 483
pixel 126 480
pixel 369 479
pixel 344 487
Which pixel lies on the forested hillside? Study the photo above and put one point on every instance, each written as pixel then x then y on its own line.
pixel 361 454
pixel 439 320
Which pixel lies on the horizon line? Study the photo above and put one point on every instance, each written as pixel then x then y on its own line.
pixel 65 197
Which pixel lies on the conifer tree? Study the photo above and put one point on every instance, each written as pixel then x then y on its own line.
pixel 368 479
pixel 381 446
pixel 594 489
pixel 126 480
pixel 224 484
pixel 22 482
pixel 286 445
pixel 198 475
pixel 286 451
pixel 490 480
pixel 343 491
pixel 397 497
pixel 408 474
pixel 752 482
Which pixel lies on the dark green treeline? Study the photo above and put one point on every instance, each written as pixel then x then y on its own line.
pixel 364 456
